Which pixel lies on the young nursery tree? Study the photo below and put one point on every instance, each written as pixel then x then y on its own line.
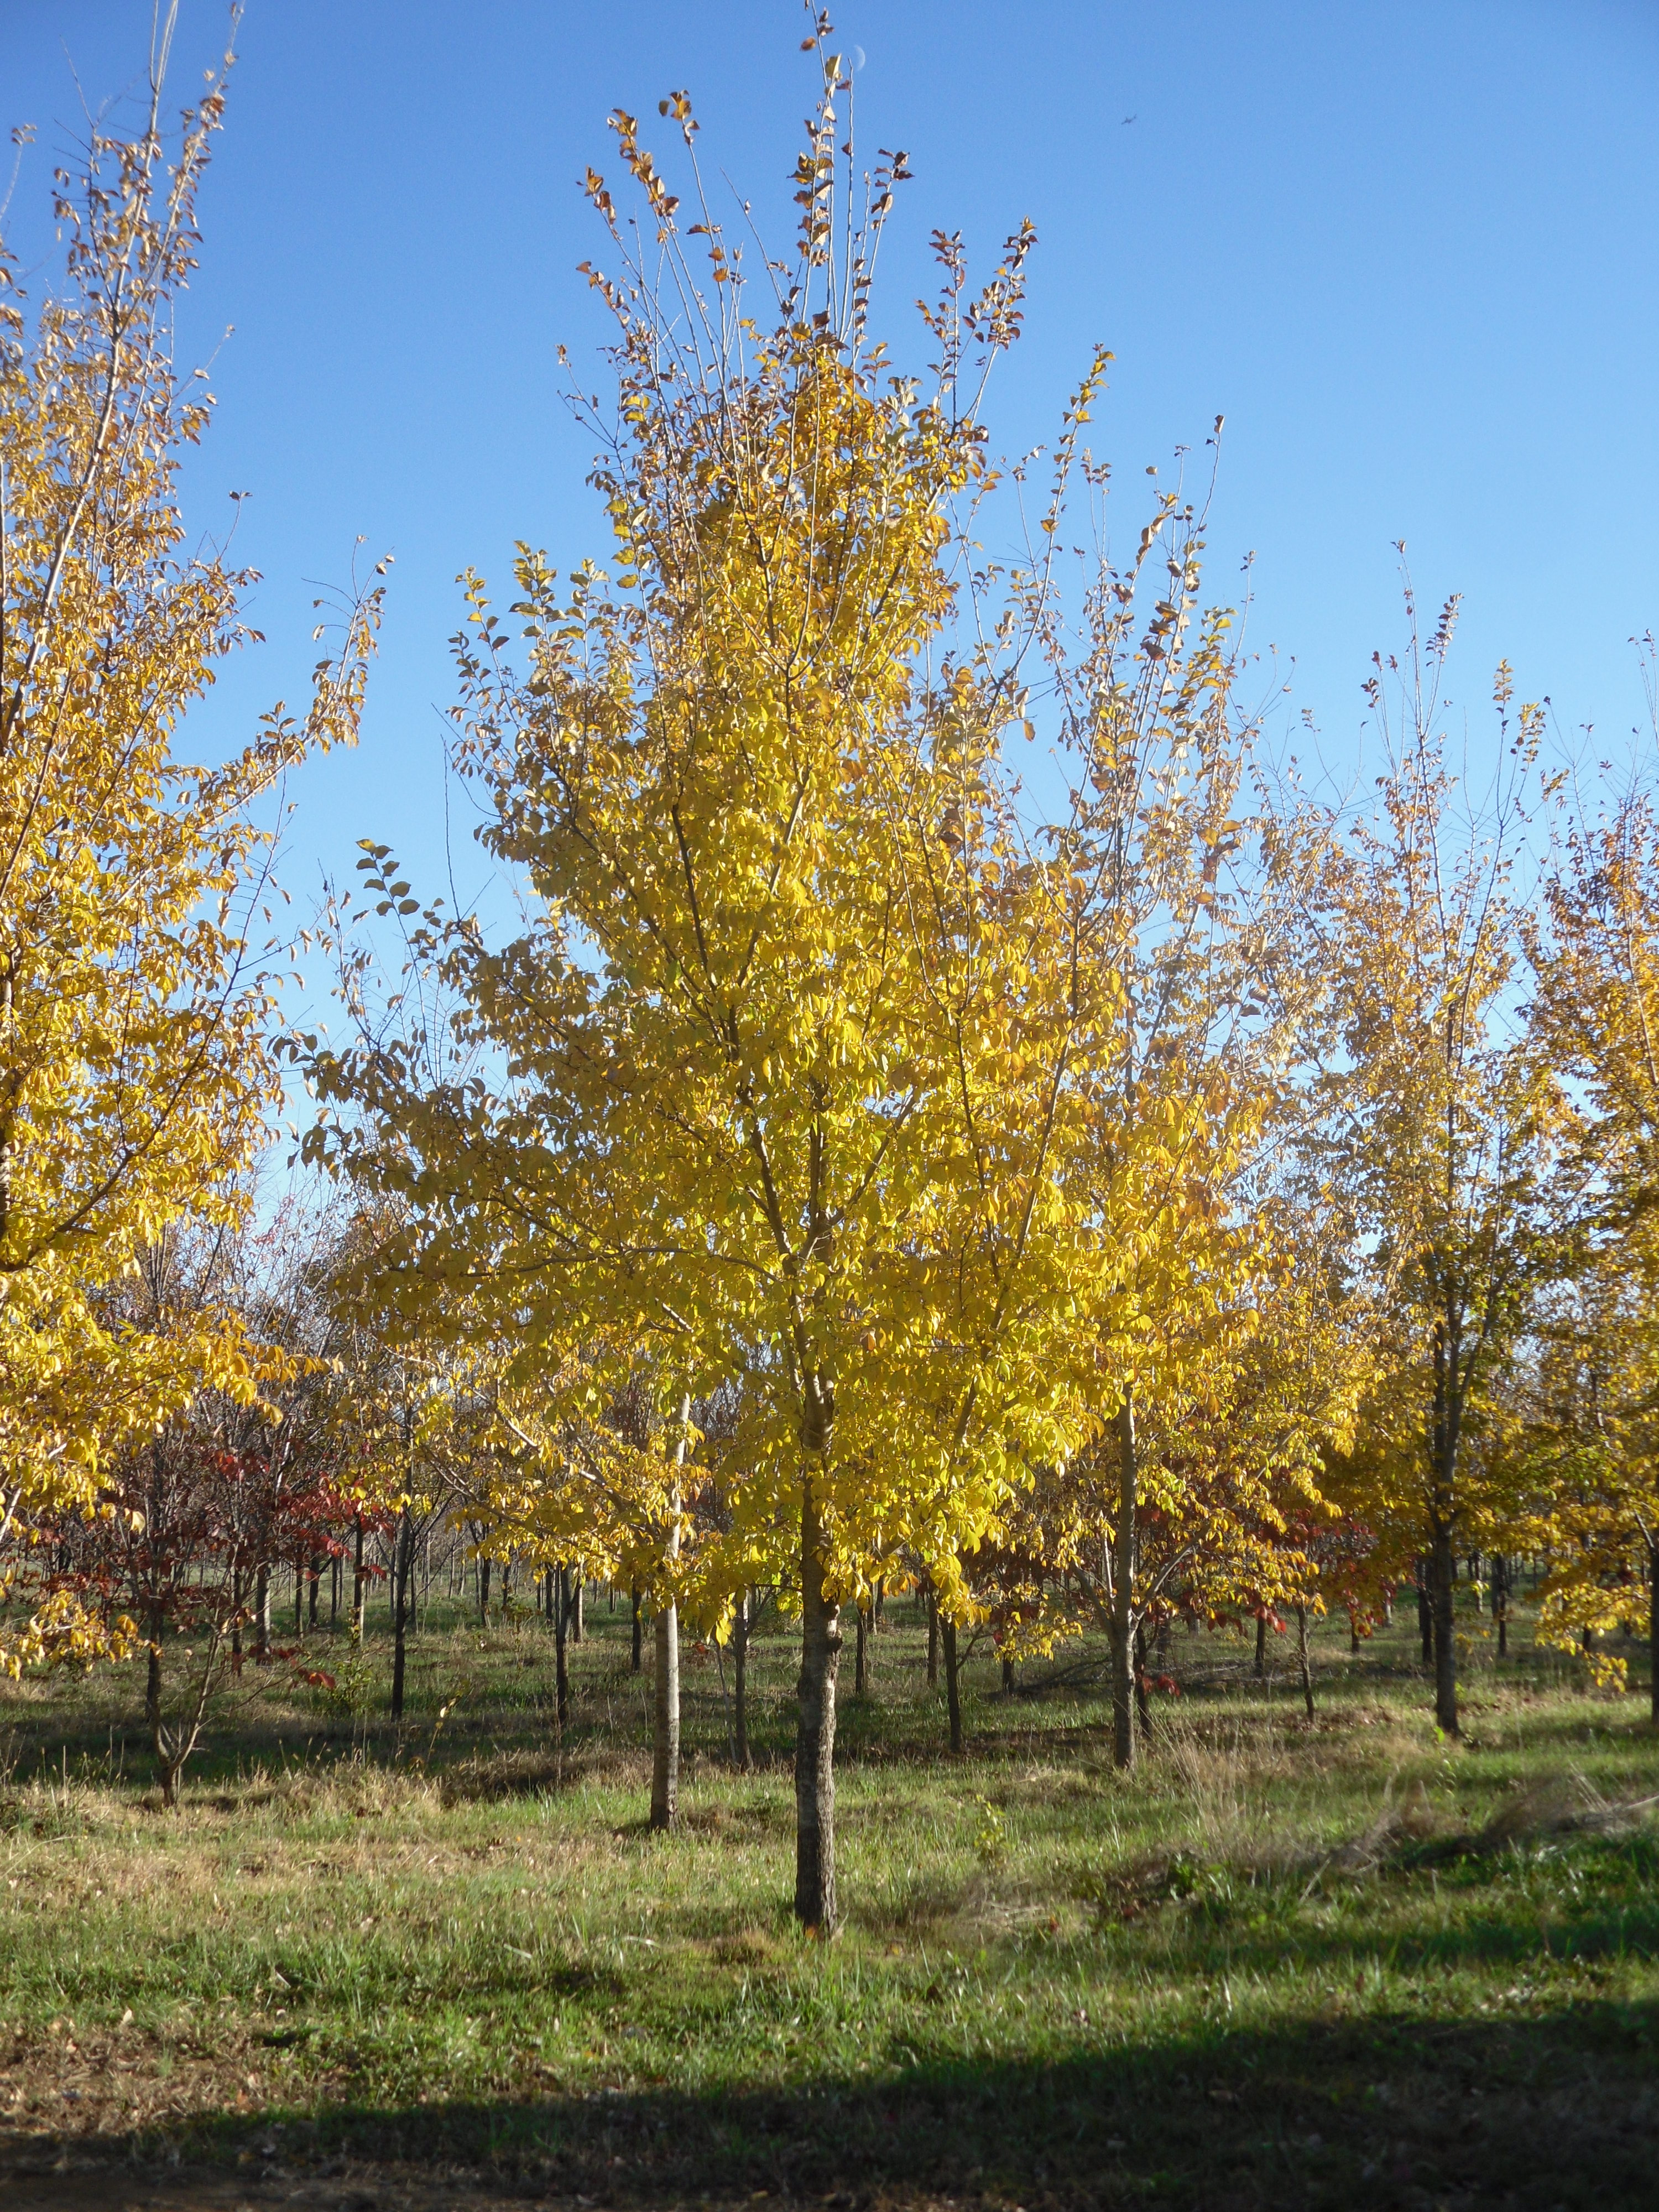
pixel 135 1076
pixel 1445 1112
pixel 703 1110
pixel 1595 1405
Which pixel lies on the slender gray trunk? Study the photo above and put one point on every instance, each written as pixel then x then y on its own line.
pixel 402 1558
pixel 665 1718
pixel 1303 1661
pixel 814 1738
pixel 555 1598
pixel 740 1683
pixel 1121 1627
pixel 637 1659
pixel 1441 1583
pixel 665 1707
pixel 947 1629
pixel 1261 1646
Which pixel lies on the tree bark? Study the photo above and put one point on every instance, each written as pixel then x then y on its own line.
pixel 153 1678
pixel 262 1613
pixel 1261 1646
pixel 358 1584
pixel 1007 1676
pixel 947 1629
pixel 861 1654
pixel 932 1640
pixel 1143 1709
pixel 637 1661
pixel 1441 1586
pixel 666 1711
pixel 402 1561
pixel 484 1592
pixel 1425 1613
pixel 740 1683
pixel 1121 1627
pixel 577 1583
pixel 555 1598
pixel 1653 1628
pixel 1304 1662
pixel 814 1736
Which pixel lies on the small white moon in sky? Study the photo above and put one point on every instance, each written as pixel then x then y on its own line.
pixel 856 59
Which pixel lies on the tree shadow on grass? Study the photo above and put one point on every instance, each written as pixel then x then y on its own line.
pixel 1524 2115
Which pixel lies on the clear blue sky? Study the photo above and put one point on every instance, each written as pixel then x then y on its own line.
pixel 1410 251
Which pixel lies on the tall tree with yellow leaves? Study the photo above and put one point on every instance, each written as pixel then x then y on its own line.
pixel 135 1076
pixel 717 1112
pixel 1596 1008
pixel 1445 1115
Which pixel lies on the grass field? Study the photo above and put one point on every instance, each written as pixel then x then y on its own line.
pixel 1345 1965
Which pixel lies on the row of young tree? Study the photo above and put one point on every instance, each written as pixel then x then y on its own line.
pixel 1098 1182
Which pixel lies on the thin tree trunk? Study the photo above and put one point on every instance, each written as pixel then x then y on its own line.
pixel 860 1653
pixel 947 1631
pixel 1653 1628
pixel 1143 1710
pixel 637 1660
pixel 932 1640
pixel 1425 1613
pixel 314 1584
pixel 665 1718
pixel 1122 1623
pixel 235 1621
pixel 334 1593
pixel 299 1595
pixel 578 1582
pixel 665 1715
pixel 484 1566
pixel 153 1677
pixel 1303 1660
pixel 740 1683
pixel 1261 1647
pixel 815 1739
pixel 402 1562
pixel 1007 1675
pixel 555 1598
pixel 1441 1583
pixel 359 1584
pixel 262 1613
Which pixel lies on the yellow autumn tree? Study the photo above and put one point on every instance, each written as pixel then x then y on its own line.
pixel 707 1104
pixel 135 1002
pixel 1444 1120
pixel 1593 1411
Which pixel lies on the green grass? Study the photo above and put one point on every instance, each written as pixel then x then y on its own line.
pixel 1053 1985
